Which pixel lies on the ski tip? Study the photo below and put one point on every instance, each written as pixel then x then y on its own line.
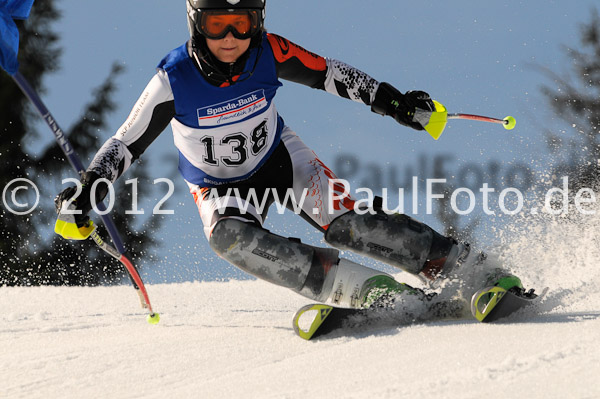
pixel 485 300
pixel 309 318
pixel 493 303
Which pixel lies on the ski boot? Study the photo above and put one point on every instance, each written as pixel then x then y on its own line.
pixel 359 287
pixel 435 272
pixel 501 278
pixel 382 291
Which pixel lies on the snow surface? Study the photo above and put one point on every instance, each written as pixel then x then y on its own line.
pixel 234 339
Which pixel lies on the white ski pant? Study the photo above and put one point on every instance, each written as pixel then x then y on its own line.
pixel 296 179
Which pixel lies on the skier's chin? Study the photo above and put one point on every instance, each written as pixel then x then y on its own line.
pixel 228 55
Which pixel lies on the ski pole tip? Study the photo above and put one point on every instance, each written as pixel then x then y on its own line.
pixel 509 123
pixel 153 318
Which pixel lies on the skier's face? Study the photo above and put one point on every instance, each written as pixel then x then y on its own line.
pixel 228 49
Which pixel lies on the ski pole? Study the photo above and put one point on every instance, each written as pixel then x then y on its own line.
pixel 74 160
pixel 11 10
pixel 67 149
pixel 509 122
pixel 437 120
pixel 153 317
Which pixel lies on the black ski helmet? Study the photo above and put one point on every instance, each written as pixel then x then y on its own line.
pixel 195 8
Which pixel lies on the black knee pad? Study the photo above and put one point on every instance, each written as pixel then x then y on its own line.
pixel 279 260
pixel 396 239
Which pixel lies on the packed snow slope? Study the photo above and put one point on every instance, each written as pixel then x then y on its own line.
pixel 234 339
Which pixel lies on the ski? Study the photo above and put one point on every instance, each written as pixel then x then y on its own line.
pixel 317 319
pixel 489 304
pixel 494 303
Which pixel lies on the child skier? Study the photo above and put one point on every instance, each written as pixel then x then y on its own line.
pixel 217 93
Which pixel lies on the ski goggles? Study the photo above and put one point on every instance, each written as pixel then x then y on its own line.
pixel 218 23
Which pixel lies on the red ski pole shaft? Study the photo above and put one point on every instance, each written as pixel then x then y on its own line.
pixel 476 118
pixel 133 273
pixel 508 122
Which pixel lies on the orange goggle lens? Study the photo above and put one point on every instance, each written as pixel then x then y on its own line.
pixel 216 25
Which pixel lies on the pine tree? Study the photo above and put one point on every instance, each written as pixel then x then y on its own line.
pixel 576 100
pixel 30 252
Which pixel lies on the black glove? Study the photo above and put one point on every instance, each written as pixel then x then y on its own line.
pixel 83 202
pixel 402 107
